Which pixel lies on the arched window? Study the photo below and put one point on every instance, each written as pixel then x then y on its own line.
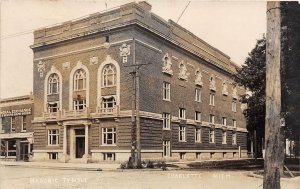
pixel 53 84
pixel 79 80
pixel 109 76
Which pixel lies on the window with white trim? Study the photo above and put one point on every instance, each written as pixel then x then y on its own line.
pixel 166 148
pixel 53 84
pixel 224 137
pixel 109 76
pixel 197 116
pixel 79 104
pixel 211 136
pixel 233 138
pixel 53 155
pixel 198 95
pixel 224 121
pixel 167 91
pixel 234 123
pixel 182 113
pixel 13 124
pixel 52 107
pixel 79 80
pixel 212 99
pixel 166 120
pixel 211 119
pixel 24 123
pixel 109 136
pixel 108 102
pixel 233 107
pixel 53 137
pixel 182 133
pixel 198 135
pixel 109 156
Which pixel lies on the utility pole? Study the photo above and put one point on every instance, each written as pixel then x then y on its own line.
pixel 135 159
pixel 273 137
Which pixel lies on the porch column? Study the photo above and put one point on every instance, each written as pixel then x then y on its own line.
pixel 86 140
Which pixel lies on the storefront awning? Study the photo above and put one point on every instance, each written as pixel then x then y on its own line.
pixel 16 135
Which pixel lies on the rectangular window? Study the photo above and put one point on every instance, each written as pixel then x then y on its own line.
pixel 24 123
pixel 109 156
pixel 109 136
pixel 79 104
pixel 198 95
pixel 12 148
pixel 197 116
pixel 167 91
pixel 53 155
pixel 211 136
pixel 224 137
pixel 53 137
pixel 198 135
pixel 234 138
pixel 108 103
pixel 212 99
pixel 182 133
pixel 211 119
pixel 182 113
pixel 13 124
pixel 234 106
pixel 224 121
pixel 234 123
pixel 52 107
pixel 166 148
pixel 166 120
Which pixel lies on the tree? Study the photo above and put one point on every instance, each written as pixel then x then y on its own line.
pixel 291 68
pixel 252 75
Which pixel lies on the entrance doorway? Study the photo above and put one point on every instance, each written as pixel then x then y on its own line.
pixel 24 154
pixel 79 143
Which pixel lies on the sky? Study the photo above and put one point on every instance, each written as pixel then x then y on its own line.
pixel 230 26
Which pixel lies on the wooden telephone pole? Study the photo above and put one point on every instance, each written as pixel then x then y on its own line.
pixel 273 135
pixel 135 159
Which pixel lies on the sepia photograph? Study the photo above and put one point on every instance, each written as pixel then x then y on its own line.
pixel 149 94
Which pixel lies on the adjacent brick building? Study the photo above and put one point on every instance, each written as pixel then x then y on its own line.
pixel 16 132
pixel 189 105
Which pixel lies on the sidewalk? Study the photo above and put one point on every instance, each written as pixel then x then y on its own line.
pixel 64 166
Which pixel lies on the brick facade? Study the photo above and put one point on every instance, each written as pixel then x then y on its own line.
pixel 95 42
pixel 16 131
